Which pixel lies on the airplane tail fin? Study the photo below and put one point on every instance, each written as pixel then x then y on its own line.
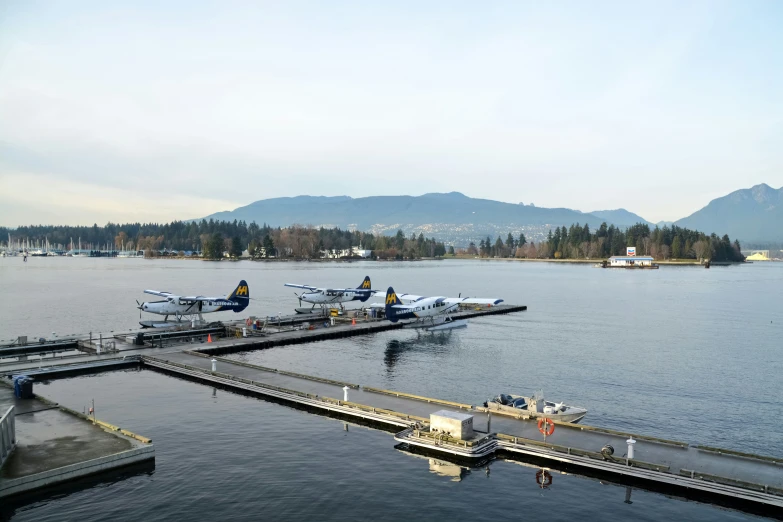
pixel 241 295
pixel 366 285
pixel 391 300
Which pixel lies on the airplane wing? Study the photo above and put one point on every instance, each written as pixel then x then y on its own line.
pixel 304 287
pixel 201 298
pixel 350 290
pixel 402 297
pixel 474 300
pixel 410 298
pixel 161 294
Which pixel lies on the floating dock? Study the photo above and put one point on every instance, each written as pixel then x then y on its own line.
pixel 752 483
pixel 219 338
pixel 46 445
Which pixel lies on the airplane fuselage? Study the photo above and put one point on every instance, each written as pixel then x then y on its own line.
pixel 181 307
pixel 427 307
pixel 327 296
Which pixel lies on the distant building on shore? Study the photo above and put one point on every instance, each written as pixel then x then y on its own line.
pixel 758 255
pixel 348 252
pixel 630 261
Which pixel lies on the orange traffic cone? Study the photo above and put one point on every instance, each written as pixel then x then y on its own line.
pixel 353 321
pixel 209 338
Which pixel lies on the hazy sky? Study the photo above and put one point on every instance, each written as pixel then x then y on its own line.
pixel 149 111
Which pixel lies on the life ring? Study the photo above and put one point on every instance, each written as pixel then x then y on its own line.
pixel 249 322
pixel 543 478
pixel 546 426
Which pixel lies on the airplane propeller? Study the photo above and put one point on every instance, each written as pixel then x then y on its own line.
pixel 299 296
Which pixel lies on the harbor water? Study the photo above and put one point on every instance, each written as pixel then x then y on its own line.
pixel 682 353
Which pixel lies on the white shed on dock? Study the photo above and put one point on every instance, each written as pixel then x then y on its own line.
pixel 457 425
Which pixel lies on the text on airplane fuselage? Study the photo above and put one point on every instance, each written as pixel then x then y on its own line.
pixel 210 303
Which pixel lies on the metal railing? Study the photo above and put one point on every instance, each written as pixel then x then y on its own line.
pixel 7 435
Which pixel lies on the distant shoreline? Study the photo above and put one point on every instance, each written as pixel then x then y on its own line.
pixel 445 258
pixel 670 262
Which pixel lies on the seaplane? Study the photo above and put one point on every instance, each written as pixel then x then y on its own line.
pixel 192 307
pixel 329 297
pixel 429 313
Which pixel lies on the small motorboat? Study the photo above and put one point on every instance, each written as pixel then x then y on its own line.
pixel 535 407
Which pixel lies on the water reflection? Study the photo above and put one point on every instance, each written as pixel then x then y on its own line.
pixel 447 469
pixel 425 342
pixel 440 467
pixel 544 478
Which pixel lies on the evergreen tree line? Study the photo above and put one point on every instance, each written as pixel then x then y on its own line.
pixel 499 248
pixel 579 242
pixel 214 238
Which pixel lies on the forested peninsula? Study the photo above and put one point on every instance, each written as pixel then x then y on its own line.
pixel 579 242
pixel 218 239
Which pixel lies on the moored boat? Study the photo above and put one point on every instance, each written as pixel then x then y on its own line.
pixel 535 407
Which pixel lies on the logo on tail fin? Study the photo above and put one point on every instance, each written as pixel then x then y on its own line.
pixel 241 294
pixel 366 284
pixel 391 300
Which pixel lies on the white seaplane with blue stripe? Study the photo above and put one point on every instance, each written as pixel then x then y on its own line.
pixel 430 313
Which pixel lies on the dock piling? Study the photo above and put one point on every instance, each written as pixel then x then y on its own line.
pixel 214 365
pixel 345 393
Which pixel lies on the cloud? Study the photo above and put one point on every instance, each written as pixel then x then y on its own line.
pixel 582 106
pixel 58 201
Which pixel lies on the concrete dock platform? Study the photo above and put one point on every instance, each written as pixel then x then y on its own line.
pixel 54 446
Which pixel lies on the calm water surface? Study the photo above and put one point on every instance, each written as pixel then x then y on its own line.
pixel 681 353
pixel 221 456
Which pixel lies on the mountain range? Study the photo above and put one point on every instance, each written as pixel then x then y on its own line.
pixel 753 214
